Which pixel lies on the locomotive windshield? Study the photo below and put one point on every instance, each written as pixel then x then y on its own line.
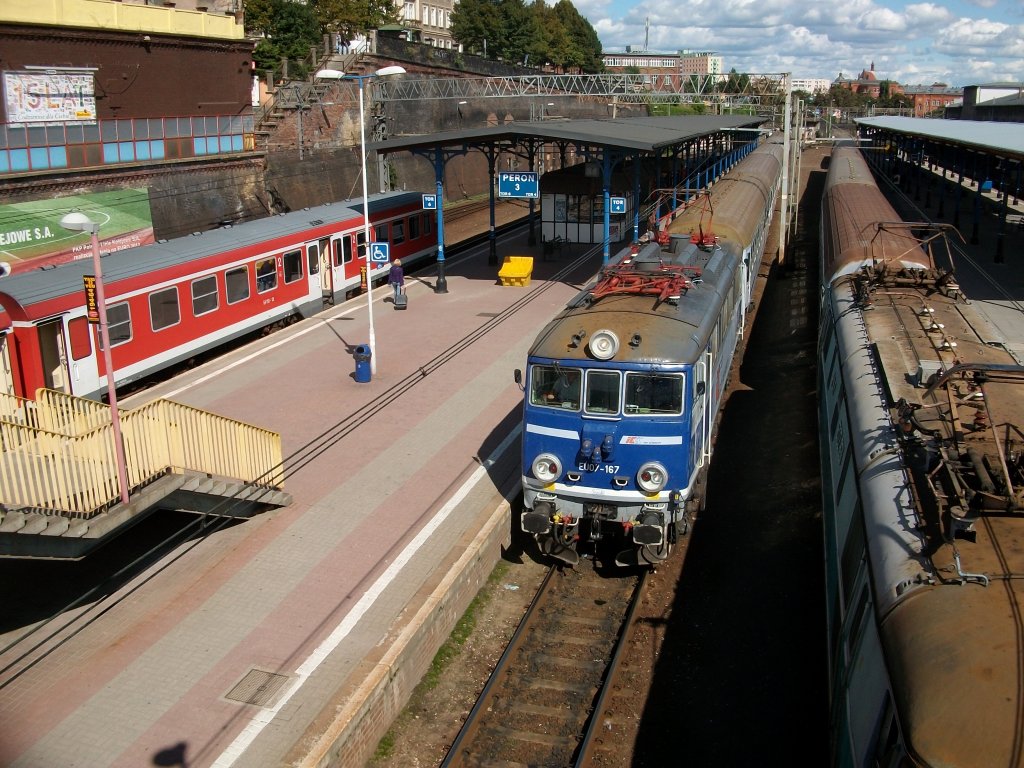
pixel 603 392
pixel 555 386
pixel 645 393
pixel 654 393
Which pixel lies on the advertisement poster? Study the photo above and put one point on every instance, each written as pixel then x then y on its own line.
pixel 31 235
pixel 49 96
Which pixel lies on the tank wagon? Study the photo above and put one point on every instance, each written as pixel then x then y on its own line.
pixel 623 386
pixel 920 417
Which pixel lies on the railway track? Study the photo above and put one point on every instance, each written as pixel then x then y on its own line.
pixel 547 701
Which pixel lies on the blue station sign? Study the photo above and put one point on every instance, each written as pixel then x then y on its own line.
pixel 618 204
pixel 430 202
pixel 379 253
pixel 518 184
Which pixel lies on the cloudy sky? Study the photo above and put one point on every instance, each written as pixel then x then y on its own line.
pixel 956 42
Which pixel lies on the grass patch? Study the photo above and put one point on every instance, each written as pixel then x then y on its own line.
pixel 446 654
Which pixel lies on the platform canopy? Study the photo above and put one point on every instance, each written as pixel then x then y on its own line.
pixel 641 134
pixel 992 138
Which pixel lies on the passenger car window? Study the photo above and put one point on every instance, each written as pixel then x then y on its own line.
pixel 163 309
pixel 237 283
pixel 204 295
pixel 266 275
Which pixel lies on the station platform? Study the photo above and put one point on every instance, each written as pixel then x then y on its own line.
pixel 294 638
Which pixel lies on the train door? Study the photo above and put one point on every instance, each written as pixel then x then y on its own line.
pixel 53 355
pixel 354 256
pixel 314 274
pixel 6 372
pixel 699 431
pixel 339 252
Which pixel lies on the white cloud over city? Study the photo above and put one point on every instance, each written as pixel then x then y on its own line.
pixel 959 42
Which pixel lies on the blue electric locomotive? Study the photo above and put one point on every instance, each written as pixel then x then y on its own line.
pixel 624 385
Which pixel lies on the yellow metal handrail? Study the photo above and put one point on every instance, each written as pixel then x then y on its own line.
pixel 64 462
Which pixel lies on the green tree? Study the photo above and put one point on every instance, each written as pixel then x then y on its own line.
pixel 584 50
pixel 352 17
pixel 287 30
pixel 477 24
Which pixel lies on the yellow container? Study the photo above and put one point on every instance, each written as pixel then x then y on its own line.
pixel 516 270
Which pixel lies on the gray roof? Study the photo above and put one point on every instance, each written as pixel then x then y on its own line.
pixel 992 137
pixel 646 134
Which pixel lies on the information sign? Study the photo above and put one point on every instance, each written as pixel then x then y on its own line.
pixel 618 204
pixel 379 253
pixel 518 184
pixel 430 202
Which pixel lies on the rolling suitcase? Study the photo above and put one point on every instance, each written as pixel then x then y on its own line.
pixel 401 301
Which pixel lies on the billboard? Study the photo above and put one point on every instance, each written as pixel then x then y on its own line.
pixel 31 235
pixel 49 96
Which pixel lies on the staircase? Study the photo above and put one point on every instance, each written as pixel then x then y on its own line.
pixel 60 494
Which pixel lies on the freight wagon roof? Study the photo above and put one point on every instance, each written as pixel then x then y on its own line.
pixel 38 285
pixel 647 134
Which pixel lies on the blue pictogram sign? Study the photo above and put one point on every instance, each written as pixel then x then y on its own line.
pixel 379 253
pixel 430 202
pixel 618 204
pixel 518 185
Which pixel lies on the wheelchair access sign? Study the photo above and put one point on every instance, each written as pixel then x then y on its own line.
pixel 523 184
pixel 379 253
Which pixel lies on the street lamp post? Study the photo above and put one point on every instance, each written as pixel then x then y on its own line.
pixel 336 74
pixel 76 221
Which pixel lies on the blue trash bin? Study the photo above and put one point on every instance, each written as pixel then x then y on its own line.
pixel 362 355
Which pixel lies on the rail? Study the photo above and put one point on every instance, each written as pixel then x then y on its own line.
pixel 548 686
pixel 57 455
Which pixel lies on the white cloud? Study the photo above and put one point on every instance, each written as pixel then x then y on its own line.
pixel 914 43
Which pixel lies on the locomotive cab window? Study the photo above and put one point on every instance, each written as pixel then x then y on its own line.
pixel 555 387
pixel 602 392
pixel 163 309
pixel 266 275
pixel 653 394
pixel 237 283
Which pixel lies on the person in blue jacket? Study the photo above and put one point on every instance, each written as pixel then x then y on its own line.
pixel 396 278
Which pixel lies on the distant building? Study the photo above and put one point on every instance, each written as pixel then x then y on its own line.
pixel 700 63
pixel 999 102
pixel 867 83
pixel 432 21
pixel 932 99
pixel 661 69
pixel 811 85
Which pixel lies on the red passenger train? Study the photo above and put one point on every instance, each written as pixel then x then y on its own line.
pixel 172 300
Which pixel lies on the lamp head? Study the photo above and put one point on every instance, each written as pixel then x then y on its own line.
pixel 392 70
pixel 76 221
pixel 329 74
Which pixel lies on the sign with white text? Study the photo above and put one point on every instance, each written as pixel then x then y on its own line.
pixel 516 184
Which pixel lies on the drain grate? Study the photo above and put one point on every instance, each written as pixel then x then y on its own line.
pixel 258 687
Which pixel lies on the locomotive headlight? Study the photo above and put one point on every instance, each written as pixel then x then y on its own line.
pixel 652 477
pixel 604 344
pixel 547 468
